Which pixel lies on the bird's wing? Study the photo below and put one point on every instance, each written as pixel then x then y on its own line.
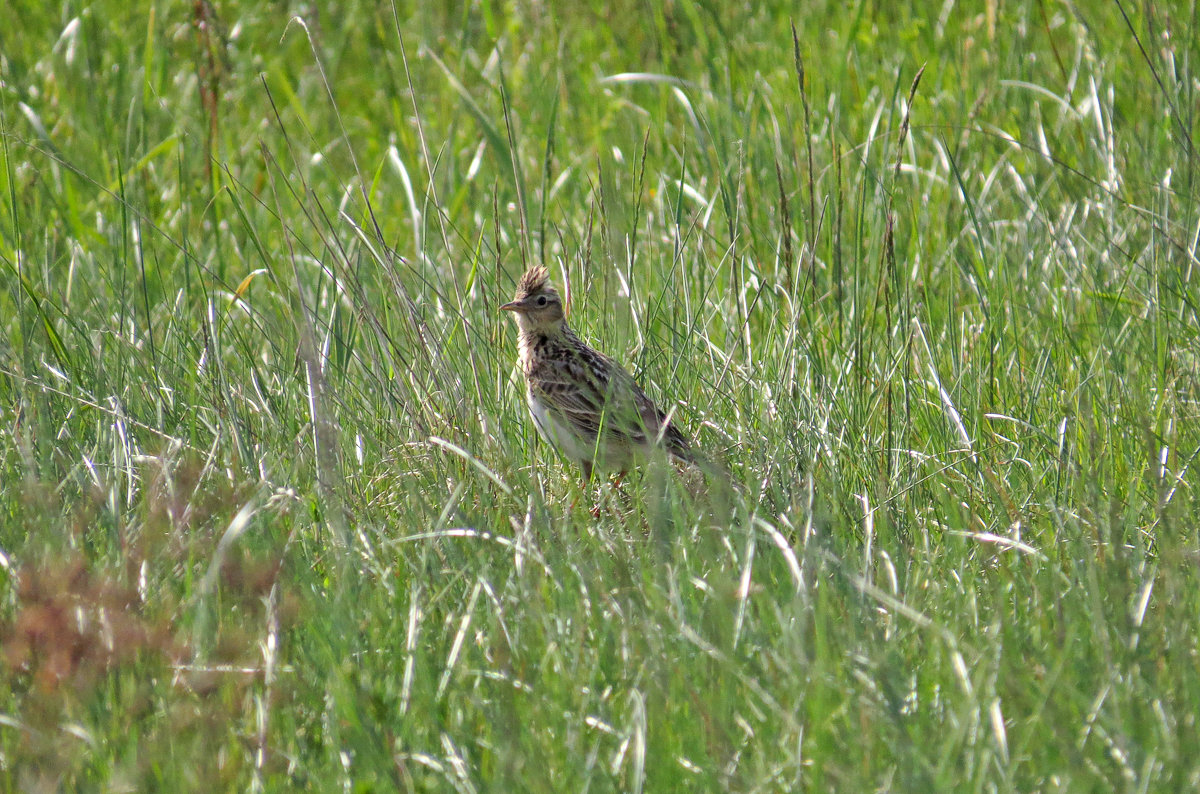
pixel 562 389
pixel 654 420
pixel 592 391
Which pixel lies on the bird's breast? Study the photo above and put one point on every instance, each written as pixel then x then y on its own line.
pixel 530 348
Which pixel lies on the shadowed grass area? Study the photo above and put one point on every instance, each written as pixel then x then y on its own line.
pixel 272 513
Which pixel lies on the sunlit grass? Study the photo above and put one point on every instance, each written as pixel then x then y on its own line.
pixel 274 516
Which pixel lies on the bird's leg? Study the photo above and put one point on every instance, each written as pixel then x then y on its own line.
pixel 613 490
pixel 623 498
pixel 586 465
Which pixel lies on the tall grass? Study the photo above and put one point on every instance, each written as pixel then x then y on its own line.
pixel 273 515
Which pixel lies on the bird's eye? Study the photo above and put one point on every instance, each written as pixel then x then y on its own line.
pixel 541 301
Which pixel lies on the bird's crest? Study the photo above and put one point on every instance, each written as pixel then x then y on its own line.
pixel 536 279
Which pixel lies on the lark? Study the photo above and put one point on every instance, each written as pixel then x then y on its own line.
pixel 583 402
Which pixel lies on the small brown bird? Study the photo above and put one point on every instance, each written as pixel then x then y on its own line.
pixel 582 401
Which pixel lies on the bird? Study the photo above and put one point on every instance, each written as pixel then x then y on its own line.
pixel 582 402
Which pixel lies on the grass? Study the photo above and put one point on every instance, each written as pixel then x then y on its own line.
pixel 272 515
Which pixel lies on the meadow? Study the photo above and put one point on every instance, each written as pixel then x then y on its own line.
pixel 920 280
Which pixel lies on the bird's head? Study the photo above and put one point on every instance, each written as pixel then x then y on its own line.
pixel 537 305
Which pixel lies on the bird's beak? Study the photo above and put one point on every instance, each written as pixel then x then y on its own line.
pixel 515 306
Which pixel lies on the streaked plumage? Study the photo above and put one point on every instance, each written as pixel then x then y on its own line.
pixel 577 395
